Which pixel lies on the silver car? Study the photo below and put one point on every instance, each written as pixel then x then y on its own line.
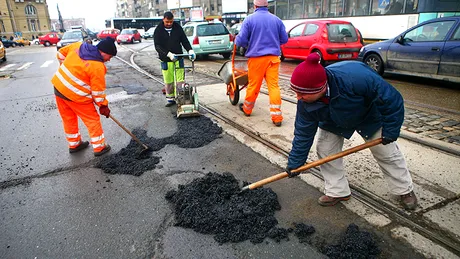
pixel 209 38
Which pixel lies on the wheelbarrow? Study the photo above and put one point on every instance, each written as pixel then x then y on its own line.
pixel 234 73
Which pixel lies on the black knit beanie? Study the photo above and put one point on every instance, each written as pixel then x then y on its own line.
pixel 107 46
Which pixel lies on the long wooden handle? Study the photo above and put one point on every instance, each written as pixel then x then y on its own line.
pixel 314 164
pixel 129 132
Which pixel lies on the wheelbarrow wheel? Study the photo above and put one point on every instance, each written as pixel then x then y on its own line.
pixel 233 93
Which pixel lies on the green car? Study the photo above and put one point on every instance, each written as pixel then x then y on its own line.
pixel 209 38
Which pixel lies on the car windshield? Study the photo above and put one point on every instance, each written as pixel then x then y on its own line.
pixel 127 32
pixel 151 30
pixel 72 35
pixel 343 32
pixel 211 30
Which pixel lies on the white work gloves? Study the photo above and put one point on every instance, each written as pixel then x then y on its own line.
pixel 171 56
pixel 192 55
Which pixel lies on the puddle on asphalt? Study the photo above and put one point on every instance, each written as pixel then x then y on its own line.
pixel 191 132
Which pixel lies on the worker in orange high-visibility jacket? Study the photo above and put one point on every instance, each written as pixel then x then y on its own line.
pixel 79 86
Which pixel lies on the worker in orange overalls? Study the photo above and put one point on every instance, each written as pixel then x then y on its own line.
pixel 262 33
pixel 79 85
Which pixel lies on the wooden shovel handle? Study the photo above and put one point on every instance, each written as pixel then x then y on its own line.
pixel 315 163
pixel 129 132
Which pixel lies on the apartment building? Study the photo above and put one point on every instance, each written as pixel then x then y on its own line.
pixel 24 18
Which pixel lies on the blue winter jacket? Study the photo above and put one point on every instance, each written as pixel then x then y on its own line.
pixel 359 100
pixel 262 33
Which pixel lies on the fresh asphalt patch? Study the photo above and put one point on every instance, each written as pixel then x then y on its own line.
pixel 214 205
pixel 191 132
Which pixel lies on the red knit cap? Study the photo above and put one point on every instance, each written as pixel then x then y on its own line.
pixel 309 77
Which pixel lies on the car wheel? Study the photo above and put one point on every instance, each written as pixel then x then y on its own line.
pixel 241 51
pixel 321 60
pixel 140 40
pixel 132 41
pixel 226 55
pixel 4 58
pixel 47 44
pixel 375 62
pixel 14 45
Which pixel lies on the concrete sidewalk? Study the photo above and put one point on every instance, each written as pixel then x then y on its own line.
pixel 435 173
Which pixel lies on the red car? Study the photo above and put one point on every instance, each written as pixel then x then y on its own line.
pixel 49 39
pixel 333 40
pixel 129 36
pixel 112 33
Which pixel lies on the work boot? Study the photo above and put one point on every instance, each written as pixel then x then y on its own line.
pixel 278 124
pixel 170 103
pixel 331 201
pixel 241 109
pixel 105 150
pixel 409 201
pixel 82 146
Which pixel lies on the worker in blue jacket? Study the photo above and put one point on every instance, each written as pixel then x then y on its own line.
pixel 336 101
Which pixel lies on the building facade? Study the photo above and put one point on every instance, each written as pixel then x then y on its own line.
pixel 25 18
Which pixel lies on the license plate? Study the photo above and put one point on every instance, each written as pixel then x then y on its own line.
pixel 214 42
pixel 345 55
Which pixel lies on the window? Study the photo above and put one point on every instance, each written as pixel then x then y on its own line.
pixel 356 7
pixel 297 31
pixel 456 35
pixel 188 31
pixel 33 26
pixel 313 8
pixel 30 10
pixel 435 31
pixel 311 29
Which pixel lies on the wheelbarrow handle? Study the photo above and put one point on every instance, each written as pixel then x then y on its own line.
pixel 313 164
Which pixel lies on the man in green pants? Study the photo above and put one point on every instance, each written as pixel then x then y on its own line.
pixel 169 37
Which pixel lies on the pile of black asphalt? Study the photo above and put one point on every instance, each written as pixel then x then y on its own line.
pixel 191 132
pixel 214 205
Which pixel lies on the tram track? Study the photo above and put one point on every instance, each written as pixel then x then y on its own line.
pixel 414 221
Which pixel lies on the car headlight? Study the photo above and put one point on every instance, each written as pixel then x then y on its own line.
pixel 361 50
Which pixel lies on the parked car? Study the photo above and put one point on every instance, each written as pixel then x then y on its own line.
pixel 21 41
pixel 2 52
pixel 8 43
pixel 49 39
pixel 234 30
pixel 209 38
pixel 333 40
pixel 141 32
pixel 71 37
pixel 112 33
pixel 129 36
pixel 92 35
pixel 35 41
pixel 429 49
pixel 149 33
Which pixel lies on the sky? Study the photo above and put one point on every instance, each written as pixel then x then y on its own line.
pixel 95 12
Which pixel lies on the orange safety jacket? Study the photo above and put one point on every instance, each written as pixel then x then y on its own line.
pixel 81 81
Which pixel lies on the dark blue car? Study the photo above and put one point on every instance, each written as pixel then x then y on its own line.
pixel 429 49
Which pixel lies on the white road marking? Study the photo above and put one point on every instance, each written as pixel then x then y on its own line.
pixel 7 66
pixel 47 63
pixel 25 66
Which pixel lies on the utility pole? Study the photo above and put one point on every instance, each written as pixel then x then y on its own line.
pixel 11 12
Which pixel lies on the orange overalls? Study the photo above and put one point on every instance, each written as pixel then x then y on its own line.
pixel 82 83
pixel 259 68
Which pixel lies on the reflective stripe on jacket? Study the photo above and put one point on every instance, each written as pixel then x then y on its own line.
pixel 81 81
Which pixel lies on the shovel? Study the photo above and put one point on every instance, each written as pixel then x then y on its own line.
pixel 146 148
pixel 313 164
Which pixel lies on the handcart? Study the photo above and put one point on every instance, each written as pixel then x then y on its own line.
pixel 185 95
pixel 235 75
